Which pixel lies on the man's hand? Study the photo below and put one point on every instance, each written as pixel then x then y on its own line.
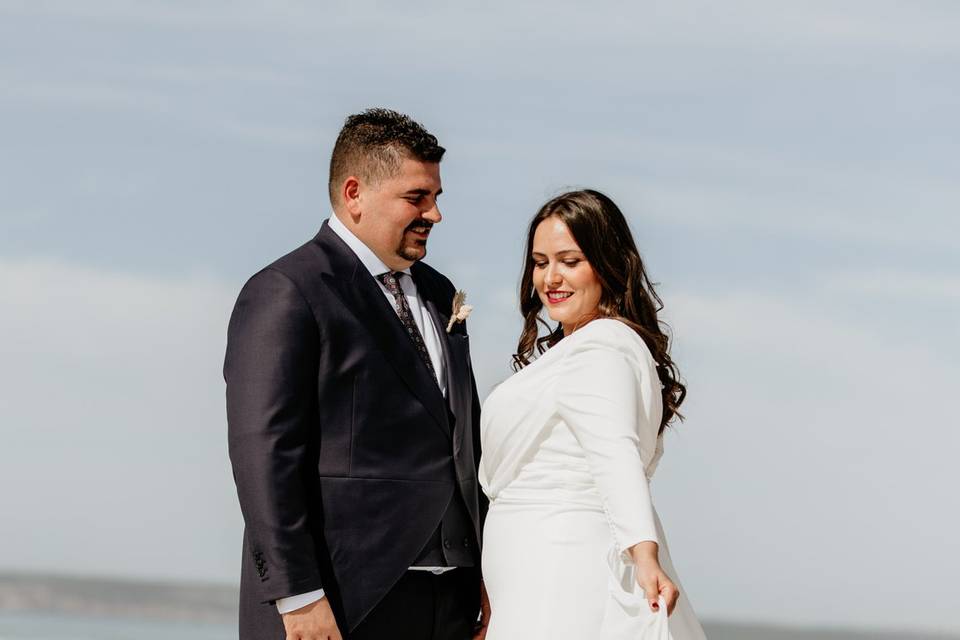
pixel 480 631
pixel 312 622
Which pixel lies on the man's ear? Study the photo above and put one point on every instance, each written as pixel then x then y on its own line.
pixel 350 193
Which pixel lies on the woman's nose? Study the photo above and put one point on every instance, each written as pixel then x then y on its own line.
pixel 553 276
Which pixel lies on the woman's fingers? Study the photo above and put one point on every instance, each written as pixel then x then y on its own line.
pixel 670 594
pixel 651 590
pixel 657 585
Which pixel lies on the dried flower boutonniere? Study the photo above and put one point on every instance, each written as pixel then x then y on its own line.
pixel 460 311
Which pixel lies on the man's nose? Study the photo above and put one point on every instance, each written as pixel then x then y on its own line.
pixel 433 214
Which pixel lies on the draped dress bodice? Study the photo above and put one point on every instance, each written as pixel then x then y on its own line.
pixel 579 424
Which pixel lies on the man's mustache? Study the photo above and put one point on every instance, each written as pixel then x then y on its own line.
pixel 426 225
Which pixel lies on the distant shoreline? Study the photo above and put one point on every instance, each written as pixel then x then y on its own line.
pixel 24 592
pixel 217 604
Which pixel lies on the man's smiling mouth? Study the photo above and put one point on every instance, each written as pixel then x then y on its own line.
pixel 420 229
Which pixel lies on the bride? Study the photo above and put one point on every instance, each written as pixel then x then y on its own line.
pixel 572 545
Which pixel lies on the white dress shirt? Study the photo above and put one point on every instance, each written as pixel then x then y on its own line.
pixel 431 338
pixel 431 335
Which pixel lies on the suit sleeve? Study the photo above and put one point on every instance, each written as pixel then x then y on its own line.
pixel 271 373
pixel 598 398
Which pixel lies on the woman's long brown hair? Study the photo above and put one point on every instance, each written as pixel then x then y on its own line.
pixel 602 232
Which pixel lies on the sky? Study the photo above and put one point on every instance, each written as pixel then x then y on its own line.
pixel 789 171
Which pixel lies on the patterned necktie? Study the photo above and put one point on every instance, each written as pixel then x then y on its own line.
pixel 391 281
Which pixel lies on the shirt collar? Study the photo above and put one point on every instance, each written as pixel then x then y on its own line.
pixel 364 253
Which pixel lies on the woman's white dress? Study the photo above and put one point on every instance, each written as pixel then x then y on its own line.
pixel 569 445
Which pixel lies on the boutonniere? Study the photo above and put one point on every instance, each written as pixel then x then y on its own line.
pixel 460 311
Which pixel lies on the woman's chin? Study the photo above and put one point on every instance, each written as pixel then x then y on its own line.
pixel 556 317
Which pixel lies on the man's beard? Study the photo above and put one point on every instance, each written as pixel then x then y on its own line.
pixel 409 253
pixel 419 251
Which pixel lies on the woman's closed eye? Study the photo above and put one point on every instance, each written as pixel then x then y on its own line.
pixel 540 264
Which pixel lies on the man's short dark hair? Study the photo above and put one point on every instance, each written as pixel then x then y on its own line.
pixel 373 144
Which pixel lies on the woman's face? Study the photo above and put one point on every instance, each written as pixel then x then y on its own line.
pixel 564 280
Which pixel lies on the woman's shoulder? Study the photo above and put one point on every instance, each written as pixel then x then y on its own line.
pixel 610 334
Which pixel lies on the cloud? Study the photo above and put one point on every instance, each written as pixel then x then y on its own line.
pixel 815 446
pixel 113 423
pixel 918 26
pixel 156 105
pixel 743 116
pixel 888 282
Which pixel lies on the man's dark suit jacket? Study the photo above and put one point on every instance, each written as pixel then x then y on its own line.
pixel 344 451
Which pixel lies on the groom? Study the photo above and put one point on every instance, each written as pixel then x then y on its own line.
pixel 353 414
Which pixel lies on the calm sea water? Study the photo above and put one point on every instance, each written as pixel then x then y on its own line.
pixel 49 626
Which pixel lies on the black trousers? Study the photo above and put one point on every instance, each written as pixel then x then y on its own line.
pixel 424 606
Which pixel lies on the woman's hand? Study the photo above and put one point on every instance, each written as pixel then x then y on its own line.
pixel 651 578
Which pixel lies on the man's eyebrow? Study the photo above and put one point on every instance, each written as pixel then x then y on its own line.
pixel 420 192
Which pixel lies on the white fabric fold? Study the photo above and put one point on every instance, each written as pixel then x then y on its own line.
pixel 627 615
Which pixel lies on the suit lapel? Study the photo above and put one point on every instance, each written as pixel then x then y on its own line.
pixel 362 295
pixel 454 355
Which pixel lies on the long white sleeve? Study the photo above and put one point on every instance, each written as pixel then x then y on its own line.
pixel 599 398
